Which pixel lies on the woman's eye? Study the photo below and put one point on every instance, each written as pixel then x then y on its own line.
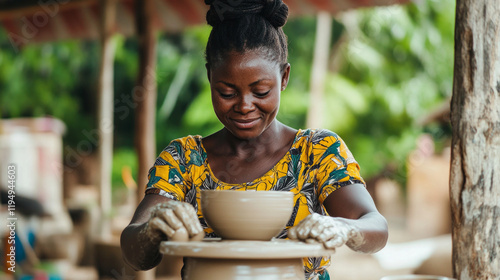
pixel 226 94
pixel 262 94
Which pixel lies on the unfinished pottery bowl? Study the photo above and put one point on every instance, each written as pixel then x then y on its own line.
pixel 246 215
pixel 415 277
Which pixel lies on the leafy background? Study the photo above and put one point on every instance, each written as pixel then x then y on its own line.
pixel 392 67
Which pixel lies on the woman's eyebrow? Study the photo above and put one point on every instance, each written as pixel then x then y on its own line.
pixel 234 86
pixel 227 84
pixel 258 81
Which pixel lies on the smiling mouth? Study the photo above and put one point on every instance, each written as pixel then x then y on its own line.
pixel 245 123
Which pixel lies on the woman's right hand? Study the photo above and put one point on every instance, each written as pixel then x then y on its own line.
pixel 175 220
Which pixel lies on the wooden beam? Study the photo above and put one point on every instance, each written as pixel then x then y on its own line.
pixel 475 163
pixel 106 110
pixel 18 9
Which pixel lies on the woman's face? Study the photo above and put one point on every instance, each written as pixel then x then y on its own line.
pixel 246 90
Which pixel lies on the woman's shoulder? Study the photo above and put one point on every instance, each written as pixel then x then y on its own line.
pixel 189 142
pixel 183 151
pixel 315 136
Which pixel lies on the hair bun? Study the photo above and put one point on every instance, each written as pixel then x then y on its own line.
pixel 274 11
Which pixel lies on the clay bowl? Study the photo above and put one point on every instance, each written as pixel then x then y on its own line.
pixel 246 215
pixel 415 277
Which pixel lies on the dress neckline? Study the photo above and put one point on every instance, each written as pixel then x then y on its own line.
pixel 267 173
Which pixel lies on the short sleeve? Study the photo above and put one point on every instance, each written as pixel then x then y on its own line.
pixel 168 175
pixel 336 166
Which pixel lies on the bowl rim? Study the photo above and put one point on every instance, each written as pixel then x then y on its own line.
pixel 415 276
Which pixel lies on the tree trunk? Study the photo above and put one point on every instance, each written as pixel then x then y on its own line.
pixel 475 163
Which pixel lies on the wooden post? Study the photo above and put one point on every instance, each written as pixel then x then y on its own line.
pixel 145 94
pixel 106 110
pixel 319 70
pixel 475 164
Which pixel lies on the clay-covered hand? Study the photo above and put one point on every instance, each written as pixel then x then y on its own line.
pixel 176 220
pixel 332 232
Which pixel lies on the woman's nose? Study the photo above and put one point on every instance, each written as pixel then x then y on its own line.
pixel 245 104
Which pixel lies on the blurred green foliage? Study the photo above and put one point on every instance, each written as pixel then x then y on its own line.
pixel 394 65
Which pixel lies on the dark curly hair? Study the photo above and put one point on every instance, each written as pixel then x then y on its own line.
pixel 242 25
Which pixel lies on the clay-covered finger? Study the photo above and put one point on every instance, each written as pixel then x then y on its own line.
pixel 303 232
pixel 318 228
pixel 195 217
pixel 157 210
pixel 181 213
pixel 306 225
pixel 180 235
pixel 334 238
pixel 299 228
pixel 326 234
pixel 158 225
pixel 189 219
pixel 334 242
pixel 198 237
pixel 292 233
pixel 311 241
pixel 334 235
pixel 171 219
pixel 195 222
pixel 329 244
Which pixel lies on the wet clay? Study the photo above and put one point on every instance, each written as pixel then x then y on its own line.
pixel 177 220
pixel 246 215
pixel 257 260
pixel 215 269
pixel 330 231
pixel 276 249
pixel 415 277
pixel 246 221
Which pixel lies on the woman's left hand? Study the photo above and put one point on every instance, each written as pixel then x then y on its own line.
pixel 332 232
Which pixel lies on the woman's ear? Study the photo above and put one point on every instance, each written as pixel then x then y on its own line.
pixel 208 71
pixel 285 76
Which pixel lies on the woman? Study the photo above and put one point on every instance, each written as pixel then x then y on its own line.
pixel 247 68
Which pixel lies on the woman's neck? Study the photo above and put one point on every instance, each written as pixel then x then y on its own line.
pixel 273 138
pixel 235 160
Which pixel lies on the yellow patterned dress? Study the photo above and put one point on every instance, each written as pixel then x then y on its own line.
pixel 317 164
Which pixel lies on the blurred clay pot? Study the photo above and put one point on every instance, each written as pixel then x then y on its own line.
pixel 415 277
pixel 246 215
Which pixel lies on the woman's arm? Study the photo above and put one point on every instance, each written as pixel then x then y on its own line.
pixel 157 219
pixel 354 205
pixel 354 220
pixel 140 252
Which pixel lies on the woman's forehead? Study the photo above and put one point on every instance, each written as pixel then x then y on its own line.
pixel 240 61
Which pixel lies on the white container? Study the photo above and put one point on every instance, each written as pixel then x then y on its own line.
pixel 34 146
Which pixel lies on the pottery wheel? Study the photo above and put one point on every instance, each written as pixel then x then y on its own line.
pixel 244 260
pixel 236 249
